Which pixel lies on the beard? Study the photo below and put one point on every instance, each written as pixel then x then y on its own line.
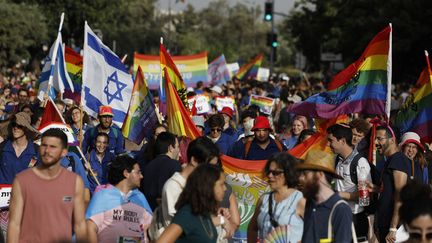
pixel 310 189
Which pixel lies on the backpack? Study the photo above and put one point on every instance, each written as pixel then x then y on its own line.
pixel 376 180
pixel 248 145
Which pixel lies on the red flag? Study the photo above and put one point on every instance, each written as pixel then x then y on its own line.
pixel 51 114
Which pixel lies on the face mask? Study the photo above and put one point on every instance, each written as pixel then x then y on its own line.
pixel 248 126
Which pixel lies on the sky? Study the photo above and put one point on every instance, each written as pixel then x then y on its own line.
pixel 281 6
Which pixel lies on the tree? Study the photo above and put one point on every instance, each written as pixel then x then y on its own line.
pixel 347 26
pixel 22 32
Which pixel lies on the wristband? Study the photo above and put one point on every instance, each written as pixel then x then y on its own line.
pixel 222 220
pixel 392 229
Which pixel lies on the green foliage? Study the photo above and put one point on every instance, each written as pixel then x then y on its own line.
pixel 22 32
pixel 346 27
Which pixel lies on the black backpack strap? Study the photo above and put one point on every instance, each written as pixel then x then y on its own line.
pixel 2 145
pixel 71 162
pixel 353 168
pixel 273 222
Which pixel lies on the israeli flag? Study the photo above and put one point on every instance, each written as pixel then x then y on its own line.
pixel 54 75
pixel 106 81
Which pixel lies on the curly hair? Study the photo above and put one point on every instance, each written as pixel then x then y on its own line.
pixel 287 163
pixel 199 190
pixel 116 168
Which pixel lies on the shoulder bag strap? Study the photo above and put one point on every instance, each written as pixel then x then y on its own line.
pixel 330 226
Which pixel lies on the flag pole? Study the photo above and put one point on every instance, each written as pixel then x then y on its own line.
pixel 160 119
pixel 53 59
pixel 389 74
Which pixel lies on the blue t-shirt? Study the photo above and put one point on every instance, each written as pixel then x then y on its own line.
pixel 99 168
pixel 316 220
pixel 70 160
pixel 116 140
pixel 12 165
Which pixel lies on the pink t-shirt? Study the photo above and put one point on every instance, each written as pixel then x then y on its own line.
pixel 125 223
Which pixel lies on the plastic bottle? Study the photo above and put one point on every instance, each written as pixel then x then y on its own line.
pixel 364 198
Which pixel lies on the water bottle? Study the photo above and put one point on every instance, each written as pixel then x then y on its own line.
pixel 364 198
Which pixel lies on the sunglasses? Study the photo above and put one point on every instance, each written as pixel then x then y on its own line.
pixel 14 124
pixel 274 172
pixel 418 236
pixel 216 130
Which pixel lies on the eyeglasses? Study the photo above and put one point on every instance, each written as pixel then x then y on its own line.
pixel 274 172
pixel 380 139
pixel 216 130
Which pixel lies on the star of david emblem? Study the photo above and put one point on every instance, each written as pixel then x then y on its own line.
pixel 113 78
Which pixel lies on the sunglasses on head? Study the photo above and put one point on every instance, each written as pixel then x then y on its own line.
pixel 274 172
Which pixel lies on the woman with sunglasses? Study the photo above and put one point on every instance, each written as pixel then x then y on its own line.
pixel 283 206
pixel 222 140
pixel 416 212
pixel 199 200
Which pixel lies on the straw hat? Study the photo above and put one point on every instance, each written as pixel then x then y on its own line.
pixel 24 119
pixel 321 161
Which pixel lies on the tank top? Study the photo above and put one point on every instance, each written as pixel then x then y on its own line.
pixel 48 207
pixel 285 213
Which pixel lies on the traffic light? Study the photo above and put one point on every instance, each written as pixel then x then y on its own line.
pixel 268 13
pixel 272 40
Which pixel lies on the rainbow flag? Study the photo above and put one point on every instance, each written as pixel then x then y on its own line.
pixel 317 141
pixel 247 179
pixel 178 117
pixel 250 69
pixel 416 114
pixel 264 103
pixel 141 116
pixel 218 72
pixel 193 68
pixel 362 87
pixel 248 184
pixel 74 63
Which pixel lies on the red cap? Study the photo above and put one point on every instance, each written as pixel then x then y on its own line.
pixel 261 122
pixel 227 111
pixel 105 110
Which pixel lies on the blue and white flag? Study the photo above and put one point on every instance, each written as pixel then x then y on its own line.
pixel 106 81
pixel 218 72
pixel 54 73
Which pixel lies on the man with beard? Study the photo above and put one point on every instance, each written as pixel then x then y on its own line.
pixel 325 210
pixel 349 165
pixel 119 212
pixel 394 178
pixel 262 146
pixel 47 202
pixel 116 140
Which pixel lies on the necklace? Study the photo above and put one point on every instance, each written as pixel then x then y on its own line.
pixel 208 232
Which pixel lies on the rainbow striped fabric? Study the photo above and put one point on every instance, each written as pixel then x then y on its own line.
pixel 361 87
pixel 141 116
pixel 178 117
pixel 248 183
pixel 250 69
pixel 193 68
pixel 416 115
pixel 264 103
pixel 74 64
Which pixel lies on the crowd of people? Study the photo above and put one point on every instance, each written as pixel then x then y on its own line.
pixel 173 189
